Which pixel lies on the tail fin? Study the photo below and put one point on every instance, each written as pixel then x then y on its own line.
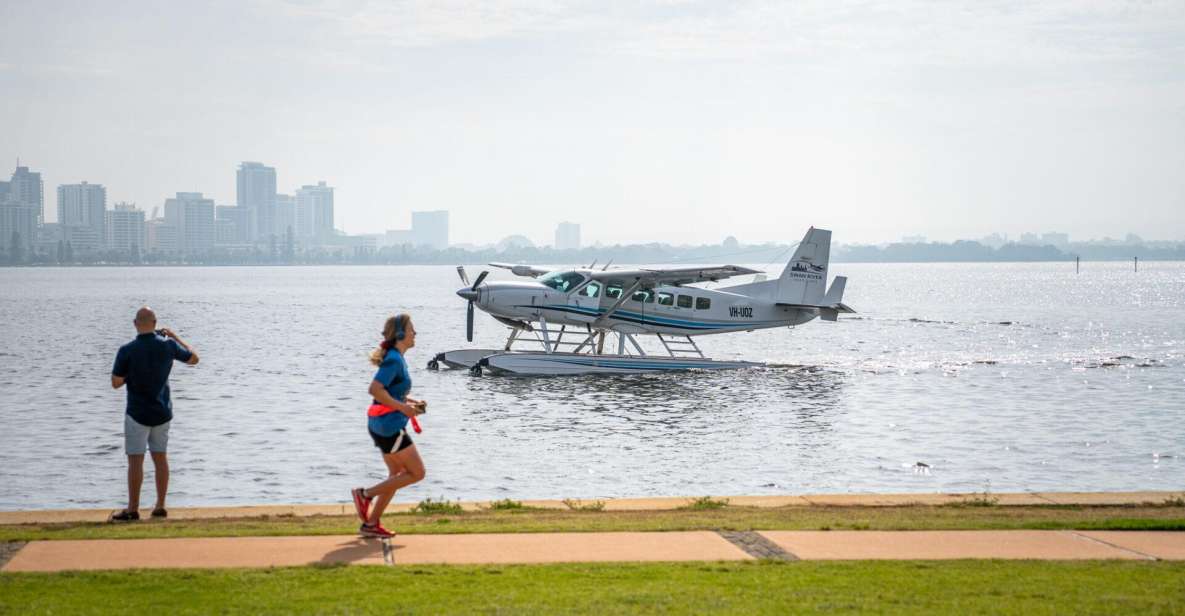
pixel 805 277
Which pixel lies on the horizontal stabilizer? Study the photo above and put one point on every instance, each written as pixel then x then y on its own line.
pixel 829 312
pixel 835 293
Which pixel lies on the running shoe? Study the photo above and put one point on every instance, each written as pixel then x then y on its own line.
pixel 124 516
pixel 361 503
pixel 377 531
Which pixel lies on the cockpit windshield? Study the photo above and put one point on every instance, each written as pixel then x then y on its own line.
pixel 562 281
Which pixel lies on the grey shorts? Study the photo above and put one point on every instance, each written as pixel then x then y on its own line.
pixel 138 437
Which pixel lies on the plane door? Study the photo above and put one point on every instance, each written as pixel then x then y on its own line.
pixel 588 299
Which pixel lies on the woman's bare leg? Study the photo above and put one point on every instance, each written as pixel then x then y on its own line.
pixel 405 468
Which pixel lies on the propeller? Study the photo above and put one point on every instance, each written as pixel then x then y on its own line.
pixel 470 295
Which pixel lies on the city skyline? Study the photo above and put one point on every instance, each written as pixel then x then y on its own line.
pixel 313 211
pixel 876 120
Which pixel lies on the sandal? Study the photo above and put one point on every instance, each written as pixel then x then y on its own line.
pixel 124 516
pixel 160 513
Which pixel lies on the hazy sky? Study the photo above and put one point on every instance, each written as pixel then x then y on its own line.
pixel 672 121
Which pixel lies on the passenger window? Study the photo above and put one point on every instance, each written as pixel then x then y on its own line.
pixel 592 289
pixel 645 296
pixel 685 301
pixel 613 289
pixel 665 299
pixel 703 303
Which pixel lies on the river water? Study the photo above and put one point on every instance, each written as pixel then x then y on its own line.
pixel 999 377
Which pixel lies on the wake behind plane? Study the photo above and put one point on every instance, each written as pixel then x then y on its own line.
pixel 570 314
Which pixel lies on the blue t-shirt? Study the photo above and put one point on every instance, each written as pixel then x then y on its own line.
pixel 145 364
pixel 392 373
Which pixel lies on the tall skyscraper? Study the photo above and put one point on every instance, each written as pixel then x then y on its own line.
pixel 84 205
pixel 193 217
pixel 314 211
pixel 26 189
pixel 125 228
pixel 430 228
pixel 255 189
pixel 567 236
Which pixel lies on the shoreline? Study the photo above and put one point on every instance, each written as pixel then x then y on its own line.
pixel 671 503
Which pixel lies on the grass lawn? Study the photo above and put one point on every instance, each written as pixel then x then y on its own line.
pixel 1009 587
pixel 1144 517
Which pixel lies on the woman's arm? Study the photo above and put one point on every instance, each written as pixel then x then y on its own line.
pixel 378 392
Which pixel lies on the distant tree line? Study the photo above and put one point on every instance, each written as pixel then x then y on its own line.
pixel 971 251
pixel 284 252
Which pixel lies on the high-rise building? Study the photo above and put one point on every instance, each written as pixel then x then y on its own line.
pixel 430 228
pixel 567 236
pixel 84 205
pixel 162 237
pixel 193 217
pixel 285 216
pixel 255 189
pixel 26 189
pixel 314 211
pixel 233 224
pixel 18 223
pixel 125 228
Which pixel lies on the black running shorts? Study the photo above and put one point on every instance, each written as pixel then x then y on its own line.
pixel 388 444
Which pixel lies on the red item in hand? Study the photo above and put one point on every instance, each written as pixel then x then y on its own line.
pixel 415 425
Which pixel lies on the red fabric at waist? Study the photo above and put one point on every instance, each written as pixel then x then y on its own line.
pixel 378 410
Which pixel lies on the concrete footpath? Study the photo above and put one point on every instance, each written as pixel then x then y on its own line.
pixel 48 556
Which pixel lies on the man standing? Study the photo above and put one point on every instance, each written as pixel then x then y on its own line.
pixel 144 365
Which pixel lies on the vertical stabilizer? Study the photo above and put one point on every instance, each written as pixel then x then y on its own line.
pixel 805 278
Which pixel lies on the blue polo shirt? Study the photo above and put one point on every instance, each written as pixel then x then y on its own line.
pixel 393 374
pixel 145 363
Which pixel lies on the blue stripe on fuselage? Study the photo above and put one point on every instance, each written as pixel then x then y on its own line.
pixel 643 319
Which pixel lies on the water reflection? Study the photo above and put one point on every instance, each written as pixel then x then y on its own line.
pixel 663 403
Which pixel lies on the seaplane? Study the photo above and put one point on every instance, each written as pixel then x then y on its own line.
pixel 567 316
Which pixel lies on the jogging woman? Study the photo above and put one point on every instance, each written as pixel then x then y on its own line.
pixel 387 421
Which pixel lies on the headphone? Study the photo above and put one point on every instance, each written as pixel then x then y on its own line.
pixel 400 320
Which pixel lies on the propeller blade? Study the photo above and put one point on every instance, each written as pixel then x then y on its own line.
pixel 480 278
pixel 469 323
pixel 462 274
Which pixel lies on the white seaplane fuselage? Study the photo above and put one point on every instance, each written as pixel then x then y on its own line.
pixel 675 310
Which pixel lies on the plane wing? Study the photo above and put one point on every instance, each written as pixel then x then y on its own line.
pixel 522 270
pixel 650 277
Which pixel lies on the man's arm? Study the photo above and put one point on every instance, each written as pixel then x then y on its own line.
pixel 119 372
pixel 193 356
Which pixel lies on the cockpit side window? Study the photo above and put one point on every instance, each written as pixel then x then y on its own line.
pixel 562 281
pixel 666 299
pixel 592 289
